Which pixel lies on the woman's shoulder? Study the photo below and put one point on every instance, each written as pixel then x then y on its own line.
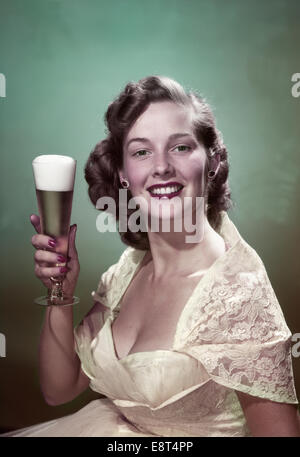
pixel 248 287
pixel 235 300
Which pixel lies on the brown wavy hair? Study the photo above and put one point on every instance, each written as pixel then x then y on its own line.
pixel 101 169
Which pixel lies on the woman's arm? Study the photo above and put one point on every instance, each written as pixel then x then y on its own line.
pixel 59 364
pixel 269 418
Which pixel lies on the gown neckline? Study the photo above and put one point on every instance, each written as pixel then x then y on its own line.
pixel 228 246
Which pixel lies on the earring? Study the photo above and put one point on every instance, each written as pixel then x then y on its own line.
pixel 211 174
pixel 125 183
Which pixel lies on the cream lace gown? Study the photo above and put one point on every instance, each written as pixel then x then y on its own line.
pixel 231 336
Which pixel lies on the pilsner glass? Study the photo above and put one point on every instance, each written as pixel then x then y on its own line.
pixel 54 177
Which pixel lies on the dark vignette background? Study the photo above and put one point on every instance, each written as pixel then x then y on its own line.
pixel 64 61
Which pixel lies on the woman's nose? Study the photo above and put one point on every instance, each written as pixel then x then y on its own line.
pixel 161 165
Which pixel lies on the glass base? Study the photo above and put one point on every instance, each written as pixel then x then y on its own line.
pixel 56 301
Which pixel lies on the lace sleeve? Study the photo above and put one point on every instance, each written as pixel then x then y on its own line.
pixel 240 336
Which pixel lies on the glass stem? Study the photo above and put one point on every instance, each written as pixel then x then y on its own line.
pixel 56 291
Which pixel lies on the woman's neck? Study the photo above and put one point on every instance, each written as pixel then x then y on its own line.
pixel 171 255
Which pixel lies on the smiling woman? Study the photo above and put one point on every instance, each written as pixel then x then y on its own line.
pixel 183 338
pixel 164 122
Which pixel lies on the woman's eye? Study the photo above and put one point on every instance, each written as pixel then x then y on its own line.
pixel 140 153
pixel 182 148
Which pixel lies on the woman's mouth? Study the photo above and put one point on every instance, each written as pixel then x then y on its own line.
pixel 165 192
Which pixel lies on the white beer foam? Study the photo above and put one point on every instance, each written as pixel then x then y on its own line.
pixel 54 172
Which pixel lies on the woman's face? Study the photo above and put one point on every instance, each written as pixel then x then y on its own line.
pixel 162 159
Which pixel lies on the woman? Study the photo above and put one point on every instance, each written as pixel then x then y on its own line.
pixel 186 336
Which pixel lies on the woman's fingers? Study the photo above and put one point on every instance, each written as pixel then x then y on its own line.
pixel 50 263
pixel 43 242
pixel 42 256
pixel 47 272
pixel 35 220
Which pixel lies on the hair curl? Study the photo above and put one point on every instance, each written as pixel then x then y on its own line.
pixel 101 169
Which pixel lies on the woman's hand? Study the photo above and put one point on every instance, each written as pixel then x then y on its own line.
pixel 45 258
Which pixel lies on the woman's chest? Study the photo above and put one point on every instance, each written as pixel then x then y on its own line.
pixel 149 316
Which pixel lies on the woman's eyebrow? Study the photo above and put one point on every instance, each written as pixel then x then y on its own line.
pixel 146 140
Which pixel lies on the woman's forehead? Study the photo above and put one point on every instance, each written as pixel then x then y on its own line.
pixel 162 116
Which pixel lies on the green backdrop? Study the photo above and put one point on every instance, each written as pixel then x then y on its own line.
pixel 64 61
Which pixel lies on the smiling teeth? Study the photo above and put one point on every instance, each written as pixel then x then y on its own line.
pixel 165 190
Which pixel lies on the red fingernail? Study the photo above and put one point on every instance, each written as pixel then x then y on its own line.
pixel 61 258
pixel 63 269
pixel 52 243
